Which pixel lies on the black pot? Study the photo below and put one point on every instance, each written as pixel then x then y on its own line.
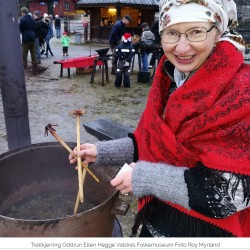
pixel 102 52
pixel 27 172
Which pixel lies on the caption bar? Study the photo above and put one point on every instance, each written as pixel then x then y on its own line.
pixel 124 243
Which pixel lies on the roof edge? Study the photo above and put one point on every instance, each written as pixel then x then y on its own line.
pixel 82 5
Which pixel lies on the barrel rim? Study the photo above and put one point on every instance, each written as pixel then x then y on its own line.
pixel 43 144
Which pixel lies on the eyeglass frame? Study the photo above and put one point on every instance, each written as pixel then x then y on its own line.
pixel 208 30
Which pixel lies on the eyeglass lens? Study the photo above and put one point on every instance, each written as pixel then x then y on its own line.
pixel 193 35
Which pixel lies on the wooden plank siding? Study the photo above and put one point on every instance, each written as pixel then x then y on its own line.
pixel 101 33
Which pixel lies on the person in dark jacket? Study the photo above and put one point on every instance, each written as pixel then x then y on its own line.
pixel 51 20
pixel 48 37
pixel 58 27
pixel 27 28
pixel 118 30
pixel 125 52
pixel 155 31
pixel 36 15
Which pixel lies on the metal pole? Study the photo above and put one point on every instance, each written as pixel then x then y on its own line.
pixel 12 79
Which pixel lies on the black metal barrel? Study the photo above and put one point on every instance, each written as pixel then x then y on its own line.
pixel 32 170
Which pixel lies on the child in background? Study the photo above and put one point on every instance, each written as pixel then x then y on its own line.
pixel 125 51
pixel 65 43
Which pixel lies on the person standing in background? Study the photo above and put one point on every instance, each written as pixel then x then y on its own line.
pixel 58 27
pixel 36 16
pixel 155 31
pixel 65 43
pixel 27 28
pixel 125 51
pixel 147 43
pixel 48 37
pixel 51 20
pixel 118 30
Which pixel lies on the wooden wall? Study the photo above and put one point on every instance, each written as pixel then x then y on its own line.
pixel 148 16
pixel 59 9
pixel 95 18
pixel 101 33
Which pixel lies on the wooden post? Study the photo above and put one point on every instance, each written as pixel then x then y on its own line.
pixel 118 13
pixel 12 81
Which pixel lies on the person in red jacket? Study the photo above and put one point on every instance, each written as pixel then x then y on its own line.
pixel 190 154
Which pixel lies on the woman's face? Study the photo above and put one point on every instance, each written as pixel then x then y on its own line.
pixel 188 56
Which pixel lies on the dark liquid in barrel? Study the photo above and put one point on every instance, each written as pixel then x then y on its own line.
pixel 47 206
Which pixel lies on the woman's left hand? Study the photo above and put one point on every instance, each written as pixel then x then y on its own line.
pixel 123 181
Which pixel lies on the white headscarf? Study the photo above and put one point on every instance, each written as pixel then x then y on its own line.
pixel 222 13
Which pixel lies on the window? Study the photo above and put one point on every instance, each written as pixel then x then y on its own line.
pixel 66 5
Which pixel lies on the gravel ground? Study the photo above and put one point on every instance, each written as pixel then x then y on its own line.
pixel 51 98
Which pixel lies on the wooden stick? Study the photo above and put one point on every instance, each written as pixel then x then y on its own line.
pixel 71 152
pixel 79 158
pixel 78 195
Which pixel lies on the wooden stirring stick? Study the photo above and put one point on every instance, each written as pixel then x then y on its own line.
pixel 52 131
pixel 78 113
pixel 78 195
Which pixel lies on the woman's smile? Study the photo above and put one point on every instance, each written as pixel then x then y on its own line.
pixel 185 59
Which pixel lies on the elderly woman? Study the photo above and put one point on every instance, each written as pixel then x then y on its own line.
pixel 190 153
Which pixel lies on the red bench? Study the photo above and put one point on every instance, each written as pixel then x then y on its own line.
pixel 84 62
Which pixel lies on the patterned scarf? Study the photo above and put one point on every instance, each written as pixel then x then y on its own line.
pixel 207 120
pixel 222 13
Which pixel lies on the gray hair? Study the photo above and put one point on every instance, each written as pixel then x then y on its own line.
pixel 25 10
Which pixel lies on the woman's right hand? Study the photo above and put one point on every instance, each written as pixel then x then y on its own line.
pixel 88 151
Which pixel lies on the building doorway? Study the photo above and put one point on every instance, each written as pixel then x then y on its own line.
pixel 50 8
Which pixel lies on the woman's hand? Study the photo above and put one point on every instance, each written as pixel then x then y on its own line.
pixel 88 151
pixel 123 181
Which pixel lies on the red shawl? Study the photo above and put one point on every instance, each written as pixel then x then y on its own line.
pixel 207 120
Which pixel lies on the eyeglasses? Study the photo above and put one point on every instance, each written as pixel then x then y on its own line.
pixel 197 34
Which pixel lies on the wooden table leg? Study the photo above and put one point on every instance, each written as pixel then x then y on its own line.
pixel 93 72
pixel 61 74
pixel 68 72
pixel 139 59
pixel 107 70
pixel 102 73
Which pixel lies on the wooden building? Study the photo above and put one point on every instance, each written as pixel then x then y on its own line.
pixel 53 8
pixel 110 11
pixel 22 3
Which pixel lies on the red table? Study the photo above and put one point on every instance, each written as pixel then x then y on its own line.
pixel 86 61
